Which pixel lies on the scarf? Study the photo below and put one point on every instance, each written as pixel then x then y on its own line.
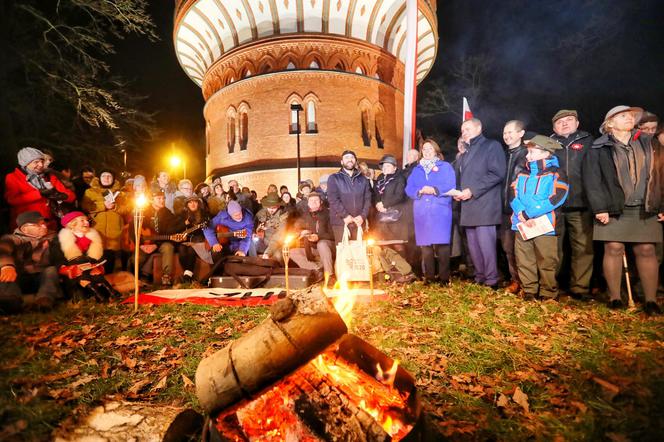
pixel 37 180
pixel 383 181
pixel 428 165
pixel 83 242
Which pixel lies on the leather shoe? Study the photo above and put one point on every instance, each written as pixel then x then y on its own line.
pixel 615 304
pixel 651 308
pixel 513 288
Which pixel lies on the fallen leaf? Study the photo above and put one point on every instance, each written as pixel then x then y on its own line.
pixel 187 382
pixel 104 370
pixel 161 384
pixel 82 381
pixel 580 405
pixel 129 362
pixel 502 401
pixel 13 428
pixel 134 389
pixel 57 376
pixel 521 398
pixel 610 389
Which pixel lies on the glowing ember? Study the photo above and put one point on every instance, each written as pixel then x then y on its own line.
pixel 385 404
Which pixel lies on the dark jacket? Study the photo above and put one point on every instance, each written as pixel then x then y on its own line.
pixel 161 222
pixel 316 222
pixel 482 170
pixel 571 158
pixel 539 190
pixel 601 177
pixel 25 253
pixel 348 195
pixel 393 196
pixel 516 163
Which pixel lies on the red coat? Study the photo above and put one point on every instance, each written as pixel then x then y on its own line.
pixel 22 197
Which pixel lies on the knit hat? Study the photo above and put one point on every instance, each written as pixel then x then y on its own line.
pixel 31 217
pixel 305 183
pixel 312 194
pixel 637 111
pixel 28 154
pixel 71 216
pixel 138 180
pixel 194 197
pixel 233 208
pixel 544 143
pixel 564 113
pixel 348 152
pixel 389 159
pixel 271 200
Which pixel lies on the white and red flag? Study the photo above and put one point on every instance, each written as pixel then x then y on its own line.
pixel 467 113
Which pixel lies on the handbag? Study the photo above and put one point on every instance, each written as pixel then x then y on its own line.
pixel 352 261
pixel 239 266
pixel 389 216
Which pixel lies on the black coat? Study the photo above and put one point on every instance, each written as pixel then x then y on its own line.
pixel 575 148
pixel 316 222
pixel 516 163
pixel 482 170
pixel 393 197
pixel 348 195
pixel 600 176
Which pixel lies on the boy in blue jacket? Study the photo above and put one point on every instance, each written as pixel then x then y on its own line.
pixel 536 197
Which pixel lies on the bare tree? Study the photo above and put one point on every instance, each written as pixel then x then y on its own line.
pixel 58 88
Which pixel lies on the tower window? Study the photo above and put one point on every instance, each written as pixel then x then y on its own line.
pixel 244 130
pixel 312 127
pixel 366 135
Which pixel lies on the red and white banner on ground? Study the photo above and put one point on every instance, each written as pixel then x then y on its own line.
pixel 410 89
pixel 467 113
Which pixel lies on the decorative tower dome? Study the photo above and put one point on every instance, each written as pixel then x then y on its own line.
pixel 341 60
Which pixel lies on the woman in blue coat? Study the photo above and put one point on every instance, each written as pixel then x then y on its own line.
pixel 427 185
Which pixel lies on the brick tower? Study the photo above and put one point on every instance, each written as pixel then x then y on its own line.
pixel 342 61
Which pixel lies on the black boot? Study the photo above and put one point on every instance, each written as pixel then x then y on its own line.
pixel 108 288
pixel 97 292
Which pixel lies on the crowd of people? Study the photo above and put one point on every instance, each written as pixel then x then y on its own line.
pixel 545 200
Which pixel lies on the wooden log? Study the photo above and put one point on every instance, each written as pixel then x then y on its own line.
pixel 298 328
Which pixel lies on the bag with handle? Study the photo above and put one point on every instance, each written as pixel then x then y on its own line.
pixel 352 261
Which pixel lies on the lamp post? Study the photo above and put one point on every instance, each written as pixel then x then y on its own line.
pixel 297 107
pixel 286 253
pixel 175 163
pixel 139 204
pixel 370 253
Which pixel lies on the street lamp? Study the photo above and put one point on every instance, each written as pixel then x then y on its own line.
pixel 297 107
pixel 175 163
pixel 139 203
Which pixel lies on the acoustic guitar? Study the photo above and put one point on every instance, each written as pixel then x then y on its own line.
pixel 176 237
pixel 224 234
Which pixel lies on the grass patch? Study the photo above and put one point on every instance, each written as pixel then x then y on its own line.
pixel 588 372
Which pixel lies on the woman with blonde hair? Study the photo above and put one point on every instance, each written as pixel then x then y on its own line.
pixel 623 178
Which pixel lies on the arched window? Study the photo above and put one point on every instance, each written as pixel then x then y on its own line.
pixel 358 70
pixel 294 119
pixel 231 117
pixel 366 134
pixel 379 128
pixel 244 130
pixel 314 65
pixel 312 127
pixel 290 66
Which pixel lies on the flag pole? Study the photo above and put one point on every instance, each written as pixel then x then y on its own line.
pixel 410 83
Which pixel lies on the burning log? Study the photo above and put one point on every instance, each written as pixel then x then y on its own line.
pixel 298 329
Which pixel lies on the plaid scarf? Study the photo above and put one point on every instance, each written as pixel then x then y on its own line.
pixel 428 165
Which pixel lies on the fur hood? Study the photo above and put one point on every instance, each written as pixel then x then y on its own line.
pixel 70 249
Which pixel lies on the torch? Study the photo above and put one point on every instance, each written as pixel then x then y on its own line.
pixel 370 249
pixel 286 252
pixel 139 204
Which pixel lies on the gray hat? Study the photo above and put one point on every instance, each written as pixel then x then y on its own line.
pixel 389 159
pixel 323 179
pixel 637 111
pixel 31 217
pixel 138 179
pixel 28 154
pixel 562 113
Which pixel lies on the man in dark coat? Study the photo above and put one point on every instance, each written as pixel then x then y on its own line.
pixel 577 220
pixel 349 195
pixel 482 170
pixel 513 133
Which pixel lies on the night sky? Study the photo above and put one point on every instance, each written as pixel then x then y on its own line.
pixel 586 55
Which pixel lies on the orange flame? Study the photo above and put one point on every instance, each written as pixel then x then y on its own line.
pixel 345 298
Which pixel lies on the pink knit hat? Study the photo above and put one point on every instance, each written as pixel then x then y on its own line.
pixel 69 217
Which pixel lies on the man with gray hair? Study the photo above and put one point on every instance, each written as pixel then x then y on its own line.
pixel 481 170
pixel 185 190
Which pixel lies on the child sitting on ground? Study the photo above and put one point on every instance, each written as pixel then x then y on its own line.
pixel 536 197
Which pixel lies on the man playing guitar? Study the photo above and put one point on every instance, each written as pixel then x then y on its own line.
pixel 235 218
